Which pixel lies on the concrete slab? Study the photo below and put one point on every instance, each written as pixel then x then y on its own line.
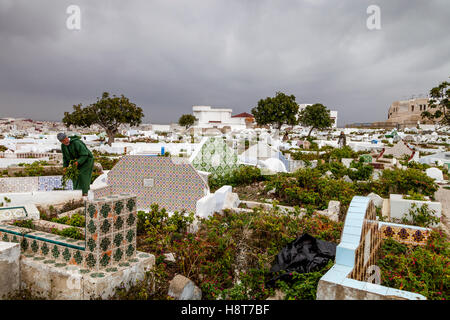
pixel 9 268
pixel 58 281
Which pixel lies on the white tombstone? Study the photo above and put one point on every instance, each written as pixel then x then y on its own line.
pixel 231 201
pixel 274 165
pixel 346 162
pixel 377 200
pixel 220 196
pixel 435 173
pixel 206 206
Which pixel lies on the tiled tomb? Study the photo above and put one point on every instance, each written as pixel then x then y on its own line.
pixel 153 179
pixel 31 184
pixel 19 184
pixel 356 252
pixel 48 183
pixel 108 251
pixel 215 156
pixel 110 236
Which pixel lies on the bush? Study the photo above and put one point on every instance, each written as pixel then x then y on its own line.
pixel 339 153
pixel 424 270
pixel 404 181
pixel 304 285
pixel 71 232
pixel 24 224
pixel 418 166
pixel 364 172
pixel 307 187
pixel 225 243
pixel 77 220
pixel 245 175
pixel 106 162
pixel 421 216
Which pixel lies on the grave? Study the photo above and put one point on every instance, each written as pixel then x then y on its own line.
pixel 435 173
pixel 215 156
pixel 153 179
pixel 399 150
pixel 58 267
pixel 399 207
pixel 259 151
pixel 31 184
pixel 356 254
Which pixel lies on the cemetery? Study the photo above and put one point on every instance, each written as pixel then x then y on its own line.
pixel 240 152
pixel 209 213
pixel 209 223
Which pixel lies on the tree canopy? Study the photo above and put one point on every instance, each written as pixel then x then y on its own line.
pixel 279 110
pixel 187 120
pixel 439 101
pixel 316 116
pixel 108 112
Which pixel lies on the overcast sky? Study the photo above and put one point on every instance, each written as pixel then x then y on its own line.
pixel 167 56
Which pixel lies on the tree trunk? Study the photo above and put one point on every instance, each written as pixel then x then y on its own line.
pixel 312 128
pixel 110 134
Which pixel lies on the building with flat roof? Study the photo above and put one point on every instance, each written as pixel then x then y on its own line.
pixel 408 111
pixel 208 117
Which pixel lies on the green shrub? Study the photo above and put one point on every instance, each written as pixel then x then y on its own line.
pixel 364 172
pixel 421 269
pixel 210 256
pixel 421 216
pixel 71 232
pixel 307 187
pixel 414 196
pixel 106 162
pixel 418 166
pixel 304 285
pixel 24 224
pixel 77 220
pixel 244 175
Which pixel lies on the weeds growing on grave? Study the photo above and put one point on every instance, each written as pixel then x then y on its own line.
pixel 421 269
pixel 225 249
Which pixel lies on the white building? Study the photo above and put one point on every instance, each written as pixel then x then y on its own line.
pixel 208 117
pixel 333 114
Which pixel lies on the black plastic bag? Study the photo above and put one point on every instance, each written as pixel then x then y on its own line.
pixel 304 254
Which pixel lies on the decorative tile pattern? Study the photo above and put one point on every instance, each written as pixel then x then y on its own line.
pixel 108 222
pixel 215 156
pixel 19 184
pixel 101 192
pixel 403 234
pixel 176 187
pixel 110 237
pixel 48 183
pixel 10 213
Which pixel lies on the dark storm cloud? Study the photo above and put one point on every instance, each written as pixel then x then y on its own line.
pixel 169 55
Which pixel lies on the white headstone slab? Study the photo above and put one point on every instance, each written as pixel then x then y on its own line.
pixel 435 173
pixel 149 182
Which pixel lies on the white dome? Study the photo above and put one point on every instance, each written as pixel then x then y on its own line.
pixel 274 164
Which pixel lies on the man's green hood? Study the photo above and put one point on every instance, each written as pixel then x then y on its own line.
pixel 73 138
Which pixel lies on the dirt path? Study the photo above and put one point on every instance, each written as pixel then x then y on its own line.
pixel 443 196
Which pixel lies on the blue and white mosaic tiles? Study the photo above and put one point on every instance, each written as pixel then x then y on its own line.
pixel 30 184
pixel 48 183
pixel 110 237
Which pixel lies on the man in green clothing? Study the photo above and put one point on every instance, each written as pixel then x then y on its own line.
pixel 74 149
